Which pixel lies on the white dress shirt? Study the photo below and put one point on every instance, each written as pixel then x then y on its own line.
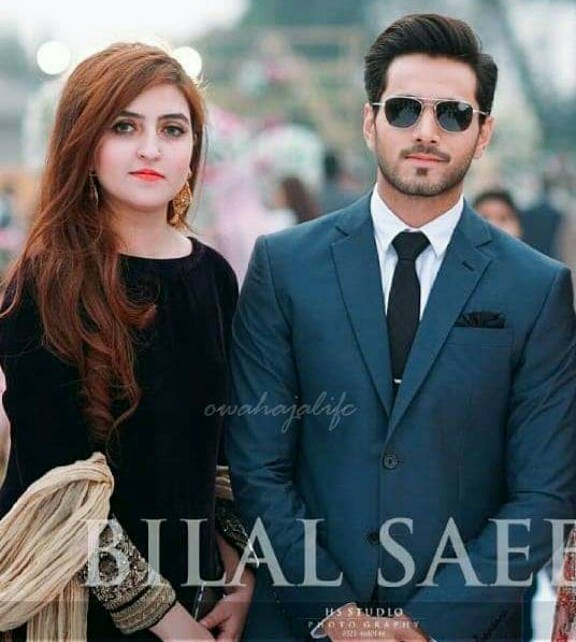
pixel 439 232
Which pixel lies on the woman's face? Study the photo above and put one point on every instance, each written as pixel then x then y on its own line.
pixel 143 160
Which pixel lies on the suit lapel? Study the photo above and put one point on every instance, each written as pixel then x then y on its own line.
pixel 356 260
pixel 459 274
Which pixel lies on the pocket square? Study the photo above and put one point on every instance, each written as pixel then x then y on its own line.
pixel 481 319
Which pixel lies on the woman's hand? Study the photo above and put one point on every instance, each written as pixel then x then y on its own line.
pixel 178 625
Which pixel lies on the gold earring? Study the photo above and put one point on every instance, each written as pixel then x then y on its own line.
pixel 181 202
pixel 93 189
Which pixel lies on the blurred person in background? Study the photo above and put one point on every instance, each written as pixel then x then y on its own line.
pixel 337 190
pixel 242 195
pixel 113 337
pixel 7 205
pixel 234 230
pixel 295 199
pixel 11 233
pixel 543 223
pixel 262 205
pixel 498 207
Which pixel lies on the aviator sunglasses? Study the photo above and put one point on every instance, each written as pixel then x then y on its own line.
pixel 451 115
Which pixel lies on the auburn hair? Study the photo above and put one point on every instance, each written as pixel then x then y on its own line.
pixel 70 261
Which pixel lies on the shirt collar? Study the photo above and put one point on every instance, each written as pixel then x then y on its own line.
pixel 439 231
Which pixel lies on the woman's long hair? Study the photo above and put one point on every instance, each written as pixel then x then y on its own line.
pixel 70 260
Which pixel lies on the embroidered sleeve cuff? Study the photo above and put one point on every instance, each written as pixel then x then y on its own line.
pixel 229 526
pixel 135 595
pixel 147 610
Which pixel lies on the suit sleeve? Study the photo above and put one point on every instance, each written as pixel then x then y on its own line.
pixel 262 452
pixel 541 482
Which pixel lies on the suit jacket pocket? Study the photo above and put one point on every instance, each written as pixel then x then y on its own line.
pixel 480 336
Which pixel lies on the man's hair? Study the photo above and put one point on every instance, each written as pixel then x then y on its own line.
pixel 433 35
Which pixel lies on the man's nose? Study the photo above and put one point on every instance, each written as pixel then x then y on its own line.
pixel 427 129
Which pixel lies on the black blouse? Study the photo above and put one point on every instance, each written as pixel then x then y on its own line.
pixel 165 459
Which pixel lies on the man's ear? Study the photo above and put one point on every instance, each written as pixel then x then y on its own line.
pixel 369 126
pixel 486 131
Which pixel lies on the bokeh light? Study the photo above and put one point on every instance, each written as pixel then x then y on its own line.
pixel 53 57
pixel 190 59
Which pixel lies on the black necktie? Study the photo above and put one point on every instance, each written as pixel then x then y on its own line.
pixel 403 313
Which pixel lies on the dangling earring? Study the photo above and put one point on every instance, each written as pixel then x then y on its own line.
pixel 181 202
pixel 93 189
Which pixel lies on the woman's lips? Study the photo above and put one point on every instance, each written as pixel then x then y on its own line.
pixel 148 175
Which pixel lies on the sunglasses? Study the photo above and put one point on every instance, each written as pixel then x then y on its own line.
pixel 451 115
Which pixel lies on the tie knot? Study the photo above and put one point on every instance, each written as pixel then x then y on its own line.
pixel 409 245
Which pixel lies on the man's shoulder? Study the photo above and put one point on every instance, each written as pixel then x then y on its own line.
pixel 526 270
pixel 523 255
pixel 503 247
pixel 323 230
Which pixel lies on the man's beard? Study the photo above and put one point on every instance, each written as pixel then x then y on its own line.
pixel 423 186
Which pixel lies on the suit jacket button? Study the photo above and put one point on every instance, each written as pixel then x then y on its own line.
pixel 390 461
pixel 373 537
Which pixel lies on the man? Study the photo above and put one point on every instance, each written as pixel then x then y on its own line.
pixel 446 348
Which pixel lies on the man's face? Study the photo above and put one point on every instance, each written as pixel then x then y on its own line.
pixel 425 160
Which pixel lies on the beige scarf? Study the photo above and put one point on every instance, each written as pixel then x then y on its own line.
pixel 44 543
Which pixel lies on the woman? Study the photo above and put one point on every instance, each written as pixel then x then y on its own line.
pixel 114 333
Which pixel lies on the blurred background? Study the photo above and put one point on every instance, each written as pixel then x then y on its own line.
pixel 284 84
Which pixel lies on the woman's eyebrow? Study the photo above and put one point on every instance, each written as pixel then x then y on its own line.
pixel 175 116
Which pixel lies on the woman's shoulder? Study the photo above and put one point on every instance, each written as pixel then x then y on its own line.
pixel 223 271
